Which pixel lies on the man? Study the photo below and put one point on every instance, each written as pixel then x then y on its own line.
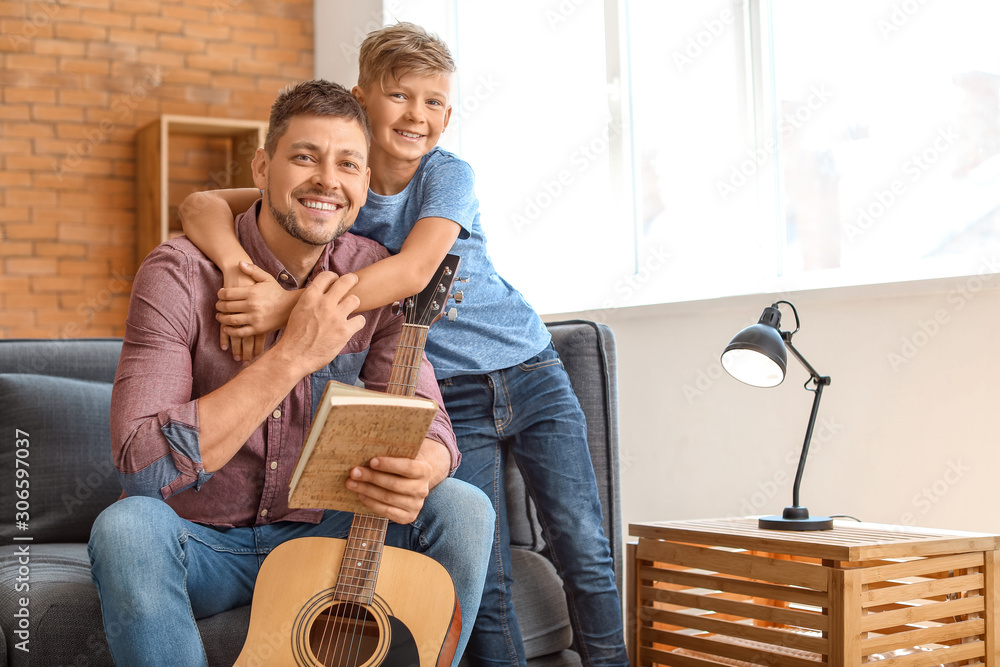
pixel 205 446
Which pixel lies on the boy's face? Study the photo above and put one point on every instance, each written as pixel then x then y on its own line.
pixel 407 115
pixel 317 180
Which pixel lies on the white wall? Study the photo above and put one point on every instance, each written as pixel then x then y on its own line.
pixel 905 434
pixel 906 429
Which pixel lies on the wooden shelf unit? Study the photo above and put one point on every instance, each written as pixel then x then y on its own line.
pixel 724 592
pixel 237 139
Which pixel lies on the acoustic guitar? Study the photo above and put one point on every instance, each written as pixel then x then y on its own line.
pixel 324 602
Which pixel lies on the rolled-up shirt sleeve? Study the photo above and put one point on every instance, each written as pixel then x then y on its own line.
pixel 154 420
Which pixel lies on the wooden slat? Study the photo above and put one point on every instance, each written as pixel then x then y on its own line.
pixel 746 587
pixel 991 593
pixel 751 654
pixel 803 619
pixel 707 623
pixel 933 635
pixel 632 566
pixel 740 564
pixel 928 612
pixel 845 608
pixel 651 656
pixel 926 566
pixel 936 657
pixel 848 541
pixel 922 590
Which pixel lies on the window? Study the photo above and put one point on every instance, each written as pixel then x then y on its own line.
pixel 641 151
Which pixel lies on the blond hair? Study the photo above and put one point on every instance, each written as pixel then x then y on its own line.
pixel 401 49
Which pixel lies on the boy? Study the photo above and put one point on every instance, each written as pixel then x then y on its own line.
pixel 502 382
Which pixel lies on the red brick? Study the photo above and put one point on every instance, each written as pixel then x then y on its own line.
pixel 27 300
pixel 204 31
pixel 21 317
pixel 41 112
pixel 84 233
pixel 31 130
pixel 182 44
pixel 49 249
pixel 16 248
pixel 81 32
pixel 16 95
pixel 137 37
pixel 31 231
pixel 58 47
pixel 30 266
pixel 159 24
pixel 111 19
pixel 82 267
pixel 211 63
pixel 9 112
pixel 186 13
pixel 84 97
pixel 85 66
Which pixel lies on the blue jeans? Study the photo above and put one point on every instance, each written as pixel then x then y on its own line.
pixel 531 411
pixel 156 573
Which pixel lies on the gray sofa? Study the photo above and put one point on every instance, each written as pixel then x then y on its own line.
pixel 54 404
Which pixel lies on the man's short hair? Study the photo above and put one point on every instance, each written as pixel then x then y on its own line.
pixel 401 49
pixel 314 98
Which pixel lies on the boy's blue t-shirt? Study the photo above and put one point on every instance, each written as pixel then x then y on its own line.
pixel 496 327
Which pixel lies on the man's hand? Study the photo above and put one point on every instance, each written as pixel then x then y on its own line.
pixel 321 323
pixel 395 488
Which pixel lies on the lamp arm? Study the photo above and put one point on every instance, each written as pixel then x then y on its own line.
pixel 821 381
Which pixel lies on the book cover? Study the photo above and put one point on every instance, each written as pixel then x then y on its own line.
pixel 352 425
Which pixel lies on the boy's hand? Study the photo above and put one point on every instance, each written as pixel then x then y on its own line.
pixel 395 488
pixel 250 305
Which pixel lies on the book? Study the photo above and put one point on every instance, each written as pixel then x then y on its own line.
pixel 353 425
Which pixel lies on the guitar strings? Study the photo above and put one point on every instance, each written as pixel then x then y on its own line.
pixel 348 654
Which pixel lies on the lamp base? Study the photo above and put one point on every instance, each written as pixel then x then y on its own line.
pixel 795 518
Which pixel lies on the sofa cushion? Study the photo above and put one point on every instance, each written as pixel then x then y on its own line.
pixel 540 603
pixel 69 473
pixel 66 627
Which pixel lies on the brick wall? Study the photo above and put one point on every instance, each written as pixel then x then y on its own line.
pixel 78 78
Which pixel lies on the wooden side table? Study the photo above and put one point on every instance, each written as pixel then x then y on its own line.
pixel 725 592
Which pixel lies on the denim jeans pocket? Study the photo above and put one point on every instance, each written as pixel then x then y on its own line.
pixel 544 359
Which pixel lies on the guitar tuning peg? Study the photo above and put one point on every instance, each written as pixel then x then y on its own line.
pixel 459 295
pixel 452 314
pixel 462 280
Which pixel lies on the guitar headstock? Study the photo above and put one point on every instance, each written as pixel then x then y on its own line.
pixel 427 307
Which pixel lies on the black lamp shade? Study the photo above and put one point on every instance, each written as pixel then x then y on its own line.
pixel 757 354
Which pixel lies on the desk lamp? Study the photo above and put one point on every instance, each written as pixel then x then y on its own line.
pixel 757 357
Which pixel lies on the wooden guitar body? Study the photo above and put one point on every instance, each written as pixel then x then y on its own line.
pixel 413 618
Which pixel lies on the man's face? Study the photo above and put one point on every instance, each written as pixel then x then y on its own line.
pixel 409 115
pixel 317 180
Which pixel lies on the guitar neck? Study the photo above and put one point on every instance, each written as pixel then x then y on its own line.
pixel 406 362
pixel 359 568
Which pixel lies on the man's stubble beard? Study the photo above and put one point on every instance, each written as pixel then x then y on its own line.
pixel 290 223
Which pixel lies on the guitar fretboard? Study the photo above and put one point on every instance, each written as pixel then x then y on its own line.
pixel 363 553
pixel 406 362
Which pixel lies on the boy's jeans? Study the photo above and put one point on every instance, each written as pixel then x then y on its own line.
pixel 531 410
pixel 156 573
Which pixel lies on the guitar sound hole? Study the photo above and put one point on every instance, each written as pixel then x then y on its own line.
pixel 345 635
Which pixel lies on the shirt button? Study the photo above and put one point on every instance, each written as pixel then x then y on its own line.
pixel 276 414
pixel 263 512
pixel 274 464
pixel 284 276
